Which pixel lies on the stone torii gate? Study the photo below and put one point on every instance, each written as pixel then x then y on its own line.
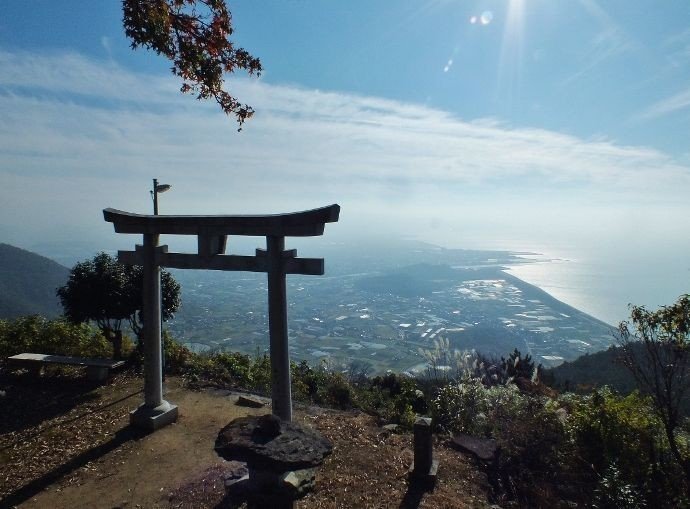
pixel 212 232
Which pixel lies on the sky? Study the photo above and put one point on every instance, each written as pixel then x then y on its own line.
pixel 557 126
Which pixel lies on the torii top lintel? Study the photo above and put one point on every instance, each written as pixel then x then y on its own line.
pixel 308 223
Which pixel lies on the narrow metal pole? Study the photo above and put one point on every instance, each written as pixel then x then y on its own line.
pixel 155 197
pixel 281 393
pixel 153 387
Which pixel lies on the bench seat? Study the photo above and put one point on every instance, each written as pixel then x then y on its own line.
pixel 96 369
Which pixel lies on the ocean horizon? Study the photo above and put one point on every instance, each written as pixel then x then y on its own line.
pixel 600 277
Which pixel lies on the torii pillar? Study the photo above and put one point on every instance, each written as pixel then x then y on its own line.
pixel 212 232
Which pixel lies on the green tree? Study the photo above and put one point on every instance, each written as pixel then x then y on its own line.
pixel 170 298
pixel 517 366
pixel 110 294
pixel 195 36
pixel 660 367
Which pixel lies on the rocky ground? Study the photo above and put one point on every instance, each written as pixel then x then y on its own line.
pixel 67 444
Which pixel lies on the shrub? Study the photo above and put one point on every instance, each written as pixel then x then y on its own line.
pixel 306 381
pixel 394 398
pixel 529 434
pixel 36 334
pixel 337 392
pixel 614 492
pixel 178 358
pixel 322 385
pixel 470 406
pixel 226 369
pixel 237 367
pixel 517 366
pixel 261 373
pixel 623 442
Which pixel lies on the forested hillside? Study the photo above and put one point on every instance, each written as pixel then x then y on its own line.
pixel 28 282
pixel 591 371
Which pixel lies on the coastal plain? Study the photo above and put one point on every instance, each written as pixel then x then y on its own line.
pixel 383 310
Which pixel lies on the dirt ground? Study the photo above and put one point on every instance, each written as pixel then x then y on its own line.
pixel 66 445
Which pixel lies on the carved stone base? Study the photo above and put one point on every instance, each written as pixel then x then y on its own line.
pixel 426 479
pixel 260 488
pixel 153 418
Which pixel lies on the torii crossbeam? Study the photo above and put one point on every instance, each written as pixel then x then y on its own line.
pixel 212 233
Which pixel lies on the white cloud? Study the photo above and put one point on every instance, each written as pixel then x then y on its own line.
pixel 107 46
pixel 108 131
pixel 678 49
pixel 72 73
pixel 608 44
pixel 676 102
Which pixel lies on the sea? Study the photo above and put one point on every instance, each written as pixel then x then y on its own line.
pixel 601 277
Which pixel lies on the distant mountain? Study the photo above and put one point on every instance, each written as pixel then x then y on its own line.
pixel 28 282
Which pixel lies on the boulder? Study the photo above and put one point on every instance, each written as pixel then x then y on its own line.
pixel 485 449
pixel 250 401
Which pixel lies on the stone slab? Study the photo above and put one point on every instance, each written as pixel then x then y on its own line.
pixel 97 370
pixel 64 359
pixel 268 443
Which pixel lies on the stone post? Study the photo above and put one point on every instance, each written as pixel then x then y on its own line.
pixel 423 446
pixel 153 388
pixel 281 392
pixel 425 466
pixel 155 412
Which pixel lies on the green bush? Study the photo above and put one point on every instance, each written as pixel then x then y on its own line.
pixel 322 385
pixel 307 381
pixel 261 373
pixel 396 398
pixel 613 491
pixel 337 392
pixel 531 438
pixel 469 406
pixel 237 366
pixel 35 334
pixel 223 369
pixel 613 445
pixel 623 442
pixel 178 358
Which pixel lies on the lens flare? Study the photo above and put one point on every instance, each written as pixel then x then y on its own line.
pixel 473 20
pixel 509 82
pixel 486 17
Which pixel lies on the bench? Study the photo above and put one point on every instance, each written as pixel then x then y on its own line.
pixel 96 369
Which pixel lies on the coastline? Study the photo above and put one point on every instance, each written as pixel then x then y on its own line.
pixel 575 283
pixel 555 302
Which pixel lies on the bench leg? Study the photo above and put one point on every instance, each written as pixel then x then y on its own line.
pixel 33 368
pixel 96 373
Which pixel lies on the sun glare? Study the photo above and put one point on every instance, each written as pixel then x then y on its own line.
pixel 510 63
